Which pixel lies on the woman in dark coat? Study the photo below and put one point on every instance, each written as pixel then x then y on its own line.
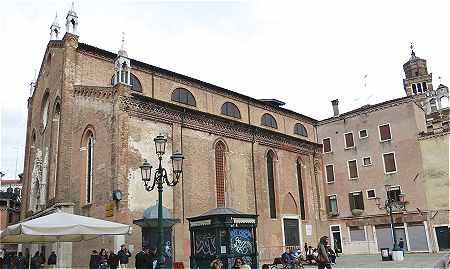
pixel 36 261
pixel 323 260
pixel 113 260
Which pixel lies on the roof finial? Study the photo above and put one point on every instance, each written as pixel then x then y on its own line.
pixel 413 54
pixel 73 7
pixel 123 41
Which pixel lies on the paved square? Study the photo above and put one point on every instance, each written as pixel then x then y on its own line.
pixel 374 261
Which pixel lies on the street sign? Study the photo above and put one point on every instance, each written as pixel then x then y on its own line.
pixel 109 210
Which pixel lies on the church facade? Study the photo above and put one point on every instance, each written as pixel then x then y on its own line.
pixel 92 118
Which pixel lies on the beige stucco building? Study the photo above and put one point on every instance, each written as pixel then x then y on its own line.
pixel 434 146
pixel 92 118
pixel 383 150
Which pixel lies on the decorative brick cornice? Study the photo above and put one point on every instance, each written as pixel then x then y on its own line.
pixel 148 108
pixel 94 91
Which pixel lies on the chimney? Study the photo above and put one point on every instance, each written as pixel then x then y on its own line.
pixel 335 104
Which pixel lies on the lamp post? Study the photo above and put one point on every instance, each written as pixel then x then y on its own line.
pixel 158 180
pixel 392 204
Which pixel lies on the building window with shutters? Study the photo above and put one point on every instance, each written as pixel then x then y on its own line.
pixel 356 200
pixel 271 185
pixel 385 132
pixel 330 173
pixel 332 205
pixel 349 142
pixel 352 169
pixel 357 233
pixel 326 145
pixel 300 190
pixel 220 173
pixel 363 134
pixel 367 161
pixel 393 193
pixel 389 162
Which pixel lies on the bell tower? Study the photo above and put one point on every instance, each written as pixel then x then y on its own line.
pixel 55 29
pixel 417 79
pixel 122 65
pixel 72 21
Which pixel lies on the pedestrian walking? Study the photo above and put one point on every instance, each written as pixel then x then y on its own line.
pixel 113 260
pixel 141 259
pixel 443 262
pixel 51 261
pixel 36 261
pixel 336 247
pixel 124 255
pixel 21 261
pixel 323 260
pixel 94 262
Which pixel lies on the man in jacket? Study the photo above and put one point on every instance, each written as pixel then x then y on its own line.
pixel 94 262
pixel 52 260
pixel 141 259
pixel 124 254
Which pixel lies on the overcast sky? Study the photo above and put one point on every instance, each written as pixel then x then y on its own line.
pixel 305 53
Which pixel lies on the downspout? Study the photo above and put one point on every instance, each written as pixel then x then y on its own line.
pixel 253 156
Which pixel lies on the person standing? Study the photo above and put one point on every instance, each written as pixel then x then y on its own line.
pixel 94 262
pixel 323 260
pixel 151 258
pixel 401 245
pixel 51 261
pixel 21 262
pixel 113 260
pixel 140 259
pixel 124 255
pixel 36 261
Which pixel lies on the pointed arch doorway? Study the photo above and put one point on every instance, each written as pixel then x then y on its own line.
pixel 291 223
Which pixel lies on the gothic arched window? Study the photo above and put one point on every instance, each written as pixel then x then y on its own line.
pixel 300 190
pixel 271 185
pixel 230 109
pixel 135 83
pixel 44 111
pixel 269 121
pixel 87 173
pixel 220 173
pixel 90 169
pixel 183 96
pixel 299 129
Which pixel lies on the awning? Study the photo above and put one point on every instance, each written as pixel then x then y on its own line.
pixel 61 227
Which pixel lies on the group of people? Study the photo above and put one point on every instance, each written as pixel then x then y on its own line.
pixel 107 259
pixel 324 256
pixel 20 261
pixel 239 263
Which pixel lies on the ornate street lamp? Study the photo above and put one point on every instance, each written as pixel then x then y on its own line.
pixel 391 205
pixel 158 180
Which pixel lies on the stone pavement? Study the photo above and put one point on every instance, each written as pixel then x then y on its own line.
pixel 422 260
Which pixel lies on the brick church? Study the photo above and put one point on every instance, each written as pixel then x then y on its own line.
pixel 92 118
